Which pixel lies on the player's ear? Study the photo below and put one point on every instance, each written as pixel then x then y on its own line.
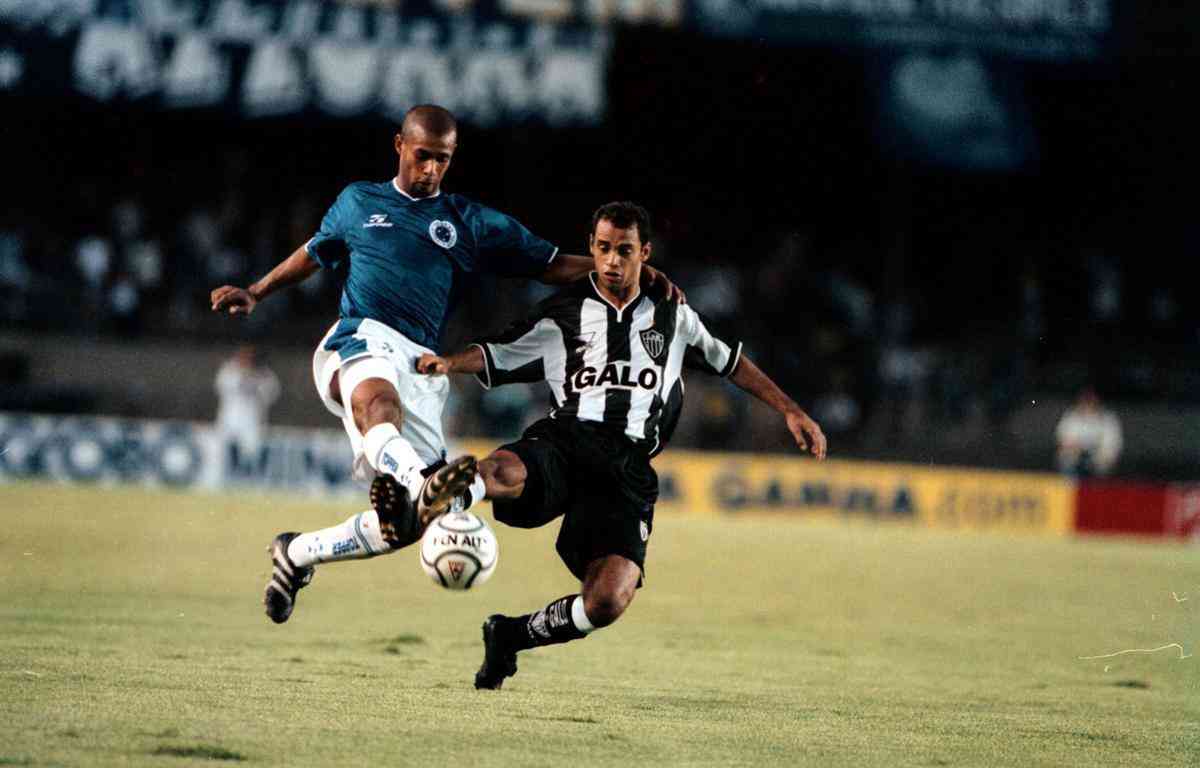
pixel 646 252
pixel 399 141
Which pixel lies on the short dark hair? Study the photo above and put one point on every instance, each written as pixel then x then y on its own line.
pixel 623 215
pixel 435 120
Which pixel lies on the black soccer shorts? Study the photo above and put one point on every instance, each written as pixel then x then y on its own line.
pixel 599 480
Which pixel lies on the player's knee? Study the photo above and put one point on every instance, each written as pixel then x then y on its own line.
pixel 511 474
pixel 503 474
pixel 605 606
pixel 374 405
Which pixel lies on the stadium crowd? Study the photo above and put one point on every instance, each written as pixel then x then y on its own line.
pixel 918 308
pixel 837 333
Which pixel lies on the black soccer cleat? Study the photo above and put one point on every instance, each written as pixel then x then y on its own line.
pixel 287 579
pixel 499 658
pixel 398 522
pixel 442 487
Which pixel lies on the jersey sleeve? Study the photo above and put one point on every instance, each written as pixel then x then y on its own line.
pixel 328 247
pixel 704 351
pixel 518 354
pixel 507 248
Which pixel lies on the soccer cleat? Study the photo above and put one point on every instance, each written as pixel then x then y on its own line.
pixel 398 522
pixel 287 579
pixel 499 658
pixel 443 487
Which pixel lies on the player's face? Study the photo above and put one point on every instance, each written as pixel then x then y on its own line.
pixel 618 255
pixel 424 160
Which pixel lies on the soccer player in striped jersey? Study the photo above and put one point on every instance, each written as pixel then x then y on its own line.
pixel 613 355
pixel 403 248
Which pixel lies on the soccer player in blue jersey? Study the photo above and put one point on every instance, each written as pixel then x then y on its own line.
pixel 403 244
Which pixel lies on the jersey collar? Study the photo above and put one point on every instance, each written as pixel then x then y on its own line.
pixel 620 310
pixel 396 186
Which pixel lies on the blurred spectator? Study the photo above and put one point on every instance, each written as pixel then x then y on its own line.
pixel 124 305
pixel 246 389
pixel 1089 437
pixel 719 419
pixel 714 288
pixel 837 411
pixel 16 280
pixel 502 411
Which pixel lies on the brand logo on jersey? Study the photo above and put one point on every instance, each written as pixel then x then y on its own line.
pixel 645 531
pixel 653 341
pixel 443 233
pixel 377 220
pixel 619 375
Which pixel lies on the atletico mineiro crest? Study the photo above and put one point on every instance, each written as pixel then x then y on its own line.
pixel 653 341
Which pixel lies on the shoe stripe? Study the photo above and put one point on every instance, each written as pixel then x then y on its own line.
pixel 281 559
pixel 272 584
pixel 283 579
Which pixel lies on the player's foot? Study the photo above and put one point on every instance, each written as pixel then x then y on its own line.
pixel 287 579
pixel 398 522
pixel 443 487
pixel 499 658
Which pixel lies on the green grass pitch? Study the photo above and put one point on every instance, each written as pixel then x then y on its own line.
pixel 132 633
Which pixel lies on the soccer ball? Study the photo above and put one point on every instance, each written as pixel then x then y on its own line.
pixel 459 551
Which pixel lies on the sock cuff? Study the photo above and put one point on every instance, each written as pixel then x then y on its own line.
pixel 477 492
pixel 375 439
pixel 579 617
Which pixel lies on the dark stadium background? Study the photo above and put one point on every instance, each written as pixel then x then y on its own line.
pixel 776 172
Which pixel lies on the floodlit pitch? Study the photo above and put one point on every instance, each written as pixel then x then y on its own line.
pixel 131 632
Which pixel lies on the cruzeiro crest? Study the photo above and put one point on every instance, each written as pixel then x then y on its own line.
pixel 653 341
pixel 443 233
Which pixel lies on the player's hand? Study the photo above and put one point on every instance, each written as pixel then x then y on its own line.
pixel 806 431
pixel 652 276
pixel 433 365
pixel 237 301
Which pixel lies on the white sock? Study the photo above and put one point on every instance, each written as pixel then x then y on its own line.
pixel 357 538
pixel 390 454
pixel 477 492
pixel 579 618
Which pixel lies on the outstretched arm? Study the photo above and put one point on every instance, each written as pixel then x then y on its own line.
pixel 568 267
pixel 242 301
pixel 470 360
pixel 750 378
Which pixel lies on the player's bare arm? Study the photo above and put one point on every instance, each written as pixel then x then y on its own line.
pixel 242 301
pixel 567 268
pixel 807 433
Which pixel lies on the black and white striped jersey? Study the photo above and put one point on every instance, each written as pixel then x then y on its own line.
pixel 621 367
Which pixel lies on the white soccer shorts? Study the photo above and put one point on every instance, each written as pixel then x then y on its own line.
pixel 391 356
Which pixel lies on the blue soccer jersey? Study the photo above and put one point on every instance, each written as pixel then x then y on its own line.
pixel 402 255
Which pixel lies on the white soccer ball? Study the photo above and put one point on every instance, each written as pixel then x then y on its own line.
pixel 459 551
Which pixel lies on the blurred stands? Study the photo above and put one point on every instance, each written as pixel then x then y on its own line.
pixel 928 308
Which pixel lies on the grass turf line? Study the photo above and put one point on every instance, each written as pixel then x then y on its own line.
pixel 134 626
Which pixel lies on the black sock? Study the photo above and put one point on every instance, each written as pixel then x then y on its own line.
pixel 548 626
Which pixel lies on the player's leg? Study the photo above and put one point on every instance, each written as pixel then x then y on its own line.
pixel 375 385
pixel 608 589
pixel 602 540
pixel 388 440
